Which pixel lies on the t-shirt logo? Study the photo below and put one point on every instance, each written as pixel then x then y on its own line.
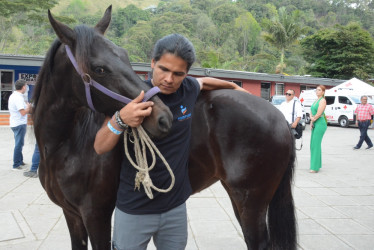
pixel 183 110
pixel 184 114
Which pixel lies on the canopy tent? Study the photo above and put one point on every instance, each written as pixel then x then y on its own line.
pixel 355 86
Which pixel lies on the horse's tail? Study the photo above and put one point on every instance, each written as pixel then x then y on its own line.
pixel 281 212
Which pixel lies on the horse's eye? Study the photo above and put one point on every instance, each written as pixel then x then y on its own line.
pixel 99 70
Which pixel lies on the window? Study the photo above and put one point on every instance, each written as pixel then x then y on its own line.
pixel 344 100
pixel 6 87
pixel 330 100
pixel 305 87
pixel 265 90
pixel 279 89
pixel 239 83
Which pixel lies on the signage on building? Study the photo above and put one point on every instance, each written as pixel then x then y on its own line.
pixel 29 78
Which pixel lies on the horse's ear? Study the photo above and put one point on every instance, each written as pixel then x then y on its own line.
pixel 64 33
pixel 103 24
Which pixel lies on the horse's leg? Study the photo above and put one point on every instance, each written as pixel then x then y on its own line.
pixel 250 210
pixel 78 233
pixel 236 212
pixel 99 229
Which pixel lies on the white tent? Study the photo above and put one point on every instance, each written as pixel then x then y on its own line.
pixel 356 86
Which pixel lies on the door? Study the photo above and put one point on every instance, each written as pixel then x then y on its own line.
pixel 6 83
pixel 265 90
pixel 345 107
pixel 330 112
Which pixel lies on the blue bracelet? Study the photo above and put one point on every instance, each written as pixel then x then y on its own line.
pixel 115 131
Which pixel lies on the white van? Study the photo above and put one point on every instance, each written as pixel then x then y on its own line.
pixel 340 108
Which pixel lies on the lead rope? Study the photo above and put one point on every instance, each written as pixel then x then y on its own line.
pixel 142 142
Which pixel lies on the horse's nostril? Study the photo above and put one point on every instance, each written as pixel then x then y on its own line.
pixel 164 124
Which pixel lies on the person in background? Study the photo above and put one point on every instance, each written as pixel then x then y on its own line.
pixel 287 108
pixel 137 218
pixel 318 126
pixel 363 112
pixel 18 110
pixel 33 172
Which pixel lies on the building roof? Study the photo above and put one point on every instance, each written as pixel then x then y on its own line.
pixel 26 60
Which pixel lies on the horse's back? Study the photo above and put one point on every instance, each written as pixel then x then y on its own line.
pixel 240 116
pixel 239 134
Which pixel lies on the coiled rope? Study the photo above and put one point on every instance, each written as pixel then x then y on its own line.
pixel 142 142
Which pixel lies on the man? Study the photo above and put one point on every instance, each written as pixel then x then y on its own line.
pixel 33 172
pixel 363 112
pixel 138 218
pixel 18 110
pixel 287 108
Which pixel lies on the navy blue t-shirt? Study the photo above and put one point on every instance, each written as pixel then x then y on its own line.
pixel 175 148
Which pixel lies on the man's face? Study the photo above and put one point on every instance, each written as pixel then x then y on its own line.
pixel 289 95
pixel 168 73
pixel 364 100
pixel 24 88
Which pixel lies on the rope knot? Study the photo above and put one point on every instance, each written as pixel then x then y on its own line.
pixel 142 142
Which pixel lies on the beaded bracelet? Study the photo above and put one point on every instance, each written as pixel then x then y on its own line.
pixel 120 122
pixel 115 131
pixel 114 123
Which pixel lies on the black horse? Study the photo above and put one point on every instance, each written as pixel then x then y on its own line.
pixel 237 139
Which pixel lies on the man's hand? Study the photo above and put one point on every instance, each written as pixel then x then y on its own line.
pixel 293 125
pixel 134 113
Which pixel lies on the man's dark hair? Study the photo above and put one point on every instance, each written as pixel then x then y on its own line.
pixel 175 44
pixel 19 84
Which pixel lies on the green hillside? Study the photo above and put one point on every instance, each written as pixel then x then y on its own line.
pixel 324 38
pixel 96 5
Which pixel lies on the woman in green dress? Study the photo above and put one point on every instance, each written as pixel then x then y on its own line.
pixel 318 126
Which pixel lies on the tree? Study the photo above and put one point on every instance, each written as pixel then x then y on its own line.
pixel 30 11
pixel 124 19
pixel 343 52
pixel 225 13
pixel 282 31
pixel 249 30
pixel 15 15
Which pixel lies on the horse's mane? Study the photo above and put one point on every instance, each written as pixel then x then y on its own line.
pixel 45 71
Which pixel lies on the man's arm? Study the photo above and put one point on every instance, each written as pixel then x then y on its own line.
pixel 299 114
pixel 26 110
pixel 210 83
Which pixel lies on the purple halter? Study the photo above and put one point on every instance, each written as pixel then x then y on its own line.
pixel 88 81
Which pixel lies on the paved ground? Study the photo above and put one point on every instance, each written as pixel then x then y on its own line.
pixel 335 208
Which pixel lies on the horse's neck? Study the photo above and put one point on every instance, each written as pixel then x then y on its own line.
pixel 56 108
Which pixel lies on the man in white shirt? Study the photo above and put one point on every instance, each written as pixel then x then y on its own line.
pixel 287 108
pixel 18 110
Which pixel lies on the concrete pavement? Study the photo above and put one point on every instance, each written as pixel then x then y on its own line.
pixel 335 208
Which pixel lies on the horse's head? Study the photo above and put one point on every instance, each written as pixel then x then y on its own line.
pixel 107 64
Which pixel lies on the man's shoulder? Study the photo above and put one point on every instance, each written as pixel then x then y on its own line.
pixel 190 81
pixel 13 96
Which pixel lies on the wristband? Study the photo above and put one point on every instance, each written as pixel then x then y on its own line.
pixel 119 121
pixel 115 131
pixel 114 123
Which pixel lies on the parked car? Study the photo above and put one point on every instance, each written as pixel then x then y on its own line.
pixel 277 100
